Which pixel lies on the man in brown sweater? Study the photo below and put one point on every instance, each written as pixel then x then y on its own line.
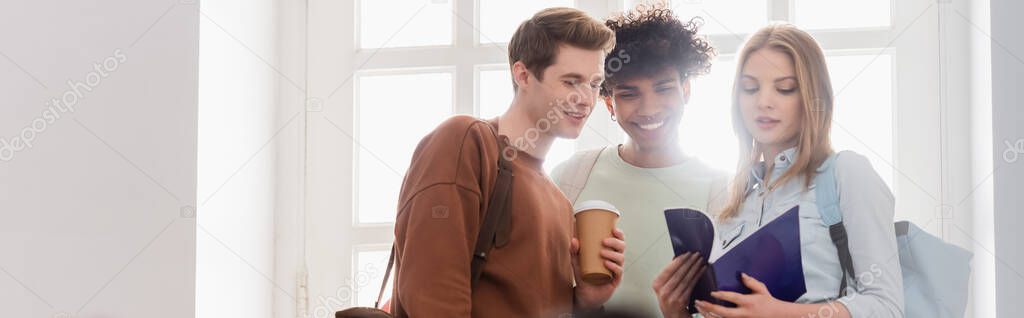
pixel 557 62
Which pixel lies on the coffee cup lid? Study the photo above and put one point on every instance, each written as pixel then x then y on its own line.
pixel 595 204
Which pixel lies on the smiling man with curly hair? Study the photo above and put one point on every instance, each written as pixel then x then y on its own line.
pixel 648 82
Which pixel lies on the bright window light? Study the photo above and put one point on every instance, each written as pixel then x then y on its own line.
pixel 414 104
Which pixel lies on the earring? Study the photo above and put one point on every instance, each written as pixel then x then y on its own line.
pixel 613 117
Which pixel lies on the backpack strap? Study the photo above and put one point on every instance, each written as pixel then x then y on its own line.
pixel 387 274
pixel 827 193
pixel 827 197
pixel 494 228
pixel 578 171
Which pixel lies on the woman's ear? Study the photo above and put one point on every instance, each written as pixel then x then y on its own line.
pixel 520 74
pixel 610 103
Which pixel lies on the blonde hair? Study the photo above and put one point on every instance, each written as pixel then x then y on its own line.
pixel 813 145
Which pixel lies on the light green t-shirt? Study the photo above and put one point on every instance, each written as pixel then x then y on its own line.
pixel 642 195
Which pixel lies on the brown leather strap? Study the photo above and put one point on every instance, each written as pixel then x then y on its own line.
pixel 495 227
pixel 497 217
pixel 387 274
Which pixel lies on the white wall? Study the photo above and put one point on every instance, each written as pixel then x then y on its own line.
pixel 251 125
pixel 1008 125
pixel 975 24
pixel 92 213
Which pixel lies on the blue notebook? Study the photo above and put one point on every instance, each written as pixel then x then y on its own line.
pixel 771 255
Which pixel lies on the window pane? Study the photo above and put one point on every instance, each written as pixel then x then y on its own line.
pixel 395 112
pixel 832 14
pixel 723 16
pixel 401 23
pixel 863 116
pixel 499 19
pixel 706 127
pixel 720 16
pixel 560 151
pixel 862 120
pixel 370 267
pixel 495 94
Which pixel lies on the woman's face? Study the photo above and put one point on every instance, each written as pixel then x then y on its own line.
pixel 769 98
pixel 649 107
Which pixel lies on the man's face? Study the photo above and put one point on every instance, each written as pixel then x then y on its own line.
pixel 566 95
pixel 649 107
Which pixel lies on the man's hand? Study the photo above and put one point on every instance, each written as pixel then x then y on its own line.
pixel 589 296
pixel 674 284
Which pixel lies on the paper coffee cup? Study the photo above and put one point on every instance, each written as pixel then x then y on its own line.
pixel 595 220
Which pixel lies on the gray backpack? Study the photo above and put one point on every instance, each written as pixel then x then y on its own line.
pixel 935 273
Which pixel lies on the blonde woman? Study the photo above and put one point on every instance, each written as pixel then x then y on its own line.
pixel 782 114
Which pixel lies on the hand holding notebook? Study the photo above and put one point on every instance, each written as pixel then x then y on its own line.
pixel 771 255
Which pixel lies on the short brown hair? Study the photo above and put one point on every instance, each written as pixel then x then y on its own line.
pixel 536 41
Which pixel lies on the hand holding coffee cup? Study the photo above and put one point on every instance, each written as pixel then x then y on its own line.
pixel 595 222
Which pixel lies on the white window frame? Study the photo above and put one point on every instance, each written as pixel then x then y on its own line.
pixel 356 132
pixel 332 236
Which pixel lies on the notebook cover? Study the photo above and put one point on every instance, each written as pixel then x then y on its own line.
pixel 771 255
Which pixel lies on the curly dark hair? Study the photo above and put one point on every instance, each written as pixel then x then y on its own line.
pixel 650 38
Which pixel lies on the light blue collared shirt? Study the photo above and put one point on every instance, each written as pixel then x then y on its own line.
pixel 867 206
